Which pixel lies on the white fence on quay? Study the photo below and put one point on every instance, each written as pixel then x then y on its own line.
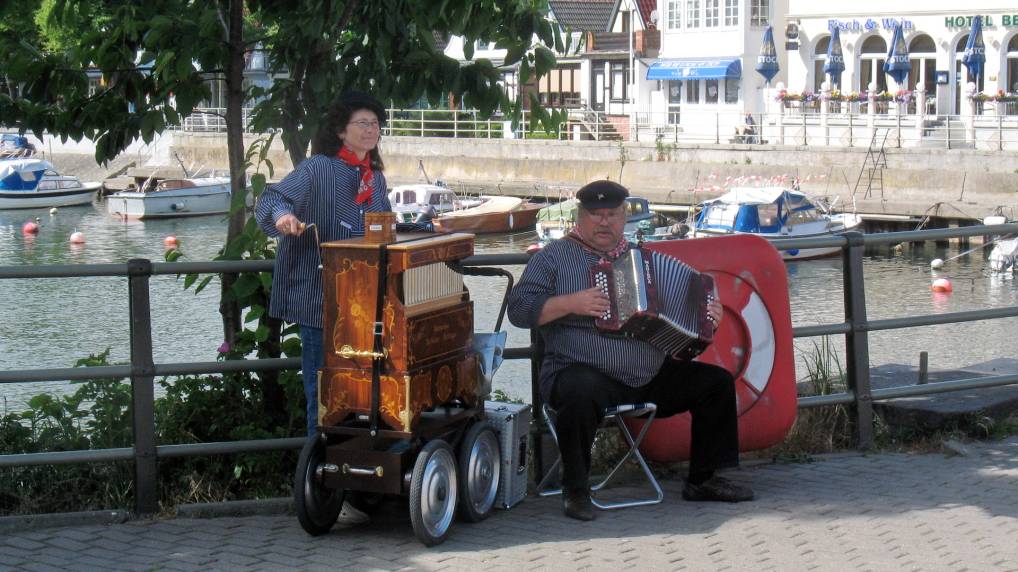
pixel 989 126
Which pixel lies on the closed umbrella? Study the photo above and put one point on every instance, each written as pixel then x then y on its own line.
pixel 835 64
pixel 897 64
pixel 975 51
pixel 767 61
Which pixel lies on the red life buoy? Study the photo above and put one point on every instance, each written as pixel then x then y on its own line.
pixel 754 341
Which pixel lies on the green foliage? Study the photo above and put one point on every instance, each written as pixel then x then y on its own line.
pixel 193 409
pixel 316 49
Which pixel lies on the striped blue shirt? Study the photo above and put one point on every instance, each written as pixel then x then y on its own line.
pixel 563 267
pixel 320 190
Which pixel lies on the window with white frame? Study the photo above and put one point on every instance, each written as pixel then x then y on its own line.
pixel 693 13
pixel 732 90
pixel 711 13
pixel 617 80
pixel 731 12
pixel 674 14
pixel 759 12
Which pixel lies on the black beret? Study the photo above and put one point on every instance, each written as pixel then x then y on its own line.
pixel 355 100
pixel 601 195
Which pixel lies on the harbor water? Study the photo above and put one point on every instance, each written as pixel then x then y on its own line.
pixel 51 323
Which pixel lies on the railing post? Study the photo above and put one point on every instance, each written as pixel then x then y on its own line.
pixel 857 339
pixel 717 128
pixel 146 490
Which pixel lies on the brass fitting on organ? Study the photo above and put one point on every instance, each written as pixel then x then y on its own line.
pixel 347 352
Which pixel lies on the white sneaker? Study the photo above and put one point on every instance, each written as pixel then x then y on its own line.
pixel 349 514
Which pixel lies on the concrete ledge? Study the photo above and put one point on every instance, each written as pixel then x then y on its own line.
pixel 62 519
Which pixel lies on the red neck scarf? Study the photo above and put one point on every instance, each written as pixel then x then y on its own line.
pixel 610 255
pixel 366 186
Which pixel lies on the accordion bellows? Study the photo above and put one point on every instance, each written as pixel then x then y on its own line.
pixel 658 299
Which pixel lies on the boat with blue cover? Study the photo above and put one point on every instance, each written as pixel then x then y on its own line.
pixel 774 213
pixel 35 183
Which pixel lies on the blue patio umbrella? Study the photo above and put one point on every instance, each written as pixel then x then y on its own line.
pixel 897 64
pixel 835 63
pixel 975 51
pixel 767 61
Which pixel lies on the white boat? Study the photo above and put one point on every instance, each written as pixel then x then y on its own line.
pixel 1004 255
pixel 153 197
pixel 775 213
pixel 34 183
pixel 411 203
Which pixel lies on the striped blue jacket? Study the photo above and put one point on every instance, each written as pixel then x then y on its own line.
pixel 563 267
pixel 320 190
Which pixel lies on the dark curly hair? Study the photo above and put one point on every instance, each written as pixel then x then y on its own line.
pixel 327 142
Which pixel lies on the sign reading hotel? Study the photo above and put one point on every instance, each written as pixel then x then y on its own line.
pixel 1006 20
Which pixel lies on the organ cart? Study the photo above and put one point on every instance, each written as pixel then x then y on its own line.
pixel 400 398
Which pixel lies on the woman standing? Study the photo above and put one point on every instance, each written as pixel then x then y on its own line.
pixel 332 190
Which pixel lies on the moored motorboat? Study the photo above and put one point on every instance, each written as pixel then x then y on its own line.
pixel 415 202
pixel 495 214
pixel 34 183
pixel 774 213
pixel 152 197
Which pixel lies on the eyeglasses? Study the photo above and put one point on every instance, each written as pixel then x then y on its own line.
pixel 365 124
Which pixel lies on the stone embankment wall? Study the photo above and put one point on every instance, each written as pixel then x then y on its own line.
pixel 963 182
pixel 954 183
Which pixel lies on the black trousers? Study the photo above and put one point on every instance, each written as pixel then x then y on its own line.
pixel 581 393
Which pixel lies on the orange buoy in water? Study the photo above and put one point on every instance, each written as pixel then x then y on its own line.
pixel 30 228
pixel 171 242
pixel 77 238
pixel 942 285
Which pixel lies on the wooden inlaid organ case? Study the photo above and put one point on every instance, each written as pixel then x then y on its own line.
pixel 427 329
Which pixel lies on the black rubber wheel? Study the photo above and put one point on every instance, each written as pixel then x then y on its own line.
pixel 480 468
pixel 317 506
pixel 433 493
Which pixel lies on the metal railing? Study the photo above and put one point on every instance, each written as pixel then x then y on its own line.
pixel 994 126
pixel 142 370
pixel 993 132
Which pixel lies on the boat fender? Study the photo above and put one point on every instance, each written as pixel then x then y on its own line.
pixel 77 238
pixel 53 211
pixel 942 285
pixel 511 221
pixel 178 206
pixel 30 227
pixel 793 252
pixel 937 263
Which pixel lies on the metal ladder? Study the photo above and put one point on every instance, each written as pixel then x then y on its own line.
pixel 873 167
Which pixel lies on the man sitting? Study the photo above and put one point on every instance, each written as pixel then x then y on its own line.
pixel 585 371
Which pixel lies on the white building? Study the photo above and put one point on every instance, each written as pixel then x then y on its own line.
pixel 704 78
pixel 936 32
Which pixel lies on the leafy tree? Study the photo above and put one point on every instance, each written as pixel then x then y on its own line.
pixel 156 58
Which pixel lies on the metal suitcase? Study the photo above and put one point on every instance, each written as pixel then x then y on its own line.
pixel 512 423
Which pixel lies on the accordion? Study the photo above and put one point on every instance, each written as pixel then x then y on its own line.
pixel 661 301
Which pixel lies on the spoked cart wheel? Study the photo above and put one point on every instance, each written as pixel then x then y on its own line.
pixel 317 506
pixel 433 492
pixel 480 466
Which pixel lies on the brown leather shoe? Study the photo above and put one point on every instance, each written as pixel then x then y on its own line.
pixel 576 504
pixel 717 489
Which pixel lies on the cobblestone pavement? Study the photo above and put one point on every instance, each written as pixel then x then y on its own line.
pixel 850 512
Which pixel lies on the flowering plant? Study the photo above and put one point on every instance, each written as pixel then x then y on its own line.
pixel 980 96
pixel 903 96
pixel 806 96
pixel 1001 96
pixel 832 95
